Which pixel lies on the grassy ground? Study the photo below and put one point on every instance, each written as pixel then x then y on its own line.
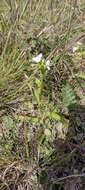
pixel 42 105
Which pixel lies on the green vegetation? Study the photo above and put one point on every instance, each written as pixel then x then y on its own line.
pixel 42 101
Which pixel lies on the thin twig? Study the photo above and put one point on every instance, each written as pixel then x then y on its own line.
pixel 68 177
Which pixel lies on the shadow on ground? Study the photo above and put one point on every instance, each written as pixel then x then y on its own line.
pixel 69 156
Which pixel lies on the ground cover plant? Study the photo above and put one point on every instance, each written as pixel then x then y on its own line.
pixel 42 100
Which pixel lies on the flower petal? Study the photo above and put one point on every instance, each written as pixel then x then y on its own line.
pixel 48 64
pixel 38 58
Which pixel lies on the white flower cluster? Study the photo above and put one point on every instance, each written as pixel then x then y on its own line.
pixel 39 58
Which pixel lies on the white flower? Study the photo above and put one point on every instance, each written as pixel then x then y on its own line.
pixel 38 58
pixel 48 64
pixel 79 43
pixel 75 48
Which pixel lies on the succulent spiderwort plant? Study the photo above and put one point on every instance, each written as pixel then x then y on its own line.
pixel 42 66
pixel 39 82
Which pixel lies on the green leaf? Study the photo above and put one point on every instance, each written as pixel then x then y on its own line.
pixel 27 119
pixel 53 115
pixel 68 96
pixel 36 93
pixel 8 122
pixel 81 75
